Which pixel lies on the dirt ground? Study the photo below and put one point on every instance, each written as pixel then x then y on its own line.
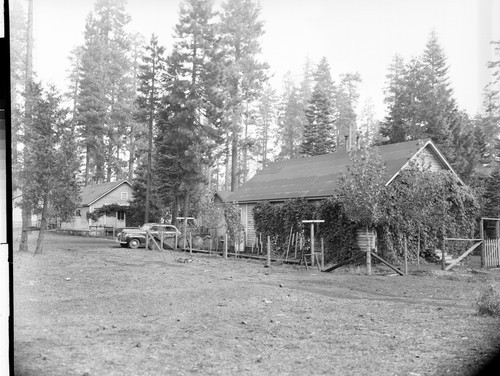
pixel 88 307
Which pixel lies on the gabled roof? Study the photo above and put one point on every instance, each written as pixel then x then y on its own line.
pixel 316 177
pixel 92 193
pixel 223 195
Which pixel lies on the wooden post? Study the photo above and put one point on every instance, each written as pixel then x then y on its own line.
pixel 443 259
pixel 190 243
pixel 296 244
pixel 312 244
pixel 418 249
pixel 224 252
pixel 175 241
pixel 322 255
pixel 210 245
pixel 161 240
pixel 406 255
pixel 481 236
pixel 368 254
pixel 147 239
pixel 289 243
pixel 268 263
pixel 260 243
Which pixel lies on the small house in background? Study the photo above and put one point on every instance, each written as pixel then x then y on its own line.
pixel 96 196
pixel 220 197
pixel 315 178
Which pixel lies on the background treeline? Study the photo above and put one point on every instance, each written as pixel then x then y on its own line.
pixel 201 115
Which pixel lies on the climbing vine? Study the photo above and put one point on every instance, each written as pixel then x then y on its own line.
pixel 417 205
pixel 279 220
pixel 107 209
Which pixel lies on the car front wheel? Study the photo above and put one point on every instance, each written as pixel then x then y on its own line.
pixel 134 243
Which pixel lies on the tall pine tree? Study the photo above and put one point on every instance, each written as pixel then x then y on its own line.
pixel 148 101
pixel 49 174
pixel 241 30
pixel 319 134
pixel 189 123
pixel 106 95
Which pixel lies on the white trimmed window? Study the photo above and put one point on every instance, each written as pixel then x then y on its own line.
pixel 124 196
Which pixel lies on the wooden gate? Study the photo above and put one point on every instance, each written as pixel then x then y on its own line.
pixel 491 253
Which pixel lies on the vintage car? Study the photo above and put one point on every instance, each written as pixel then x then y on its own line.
pixel 136 237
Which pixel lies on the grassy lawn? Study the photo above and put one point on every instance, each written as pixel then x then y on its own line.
pixel 88 307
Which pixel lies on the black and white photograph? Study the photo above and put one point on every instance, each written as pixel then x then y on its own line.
pixel 250 187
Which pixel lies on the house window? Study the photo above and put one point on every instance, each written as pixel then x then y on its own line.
pixel 120 215
pixel 124 196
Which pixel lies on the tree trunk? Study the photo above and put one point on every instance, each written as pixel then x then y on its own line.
pixel 109 167
pixel 131 150
pixel 234 161
pixel 87 162
pixel 175 210
pixel 26 209
pixel 245 148
pixel 43 226
pixel 150 144
pixel 185 210
pixel 25 213
pixel 227 177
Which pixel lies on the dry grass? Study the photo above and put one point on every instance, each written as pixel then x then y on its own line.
pixel 88 307
pixel 488 301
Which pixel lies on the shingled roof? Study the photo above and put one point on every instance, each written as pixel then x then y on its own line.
pixel 92 193
pixel 316 177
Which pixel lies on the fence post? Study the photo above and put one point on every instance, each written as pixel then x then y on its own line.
pixel 312 244
pixel 322 255
pixel 368 254
pixel 418 249
pixel 406 255
pixel 260 243
pixel 224 252
pixel 443 252
pixel 481 235
pixel 161 241
pixel 190 243
pixel 268 264
pixel 147 239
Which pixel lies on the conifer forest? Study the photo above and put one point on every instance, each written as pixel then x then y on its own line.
pixel 201 115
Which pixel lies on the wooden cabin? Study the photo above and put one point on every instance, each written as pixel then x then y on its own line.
pixel 315 178
pixel 96 196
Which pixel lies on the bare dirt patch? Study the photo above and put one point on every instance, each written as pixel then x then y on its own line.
pixel 89 307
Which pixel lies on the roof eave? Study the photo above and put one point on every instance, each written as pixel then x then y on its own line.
pixel 441 157
pixel 108 191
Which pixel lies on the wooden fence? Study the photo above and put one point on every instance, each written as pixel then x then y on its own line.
pixel 491 253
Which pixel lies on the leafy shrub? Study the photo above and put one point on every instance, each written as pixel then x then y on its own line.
pixel 488 301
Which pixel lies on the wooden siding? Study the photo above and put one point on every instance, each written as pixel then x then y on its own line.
pixel 426 159
pixel 362 239
pixel 249 225
pixel 114 197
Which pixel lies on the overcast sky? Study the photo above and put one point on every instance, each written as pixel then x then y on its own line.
pixel 355 36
